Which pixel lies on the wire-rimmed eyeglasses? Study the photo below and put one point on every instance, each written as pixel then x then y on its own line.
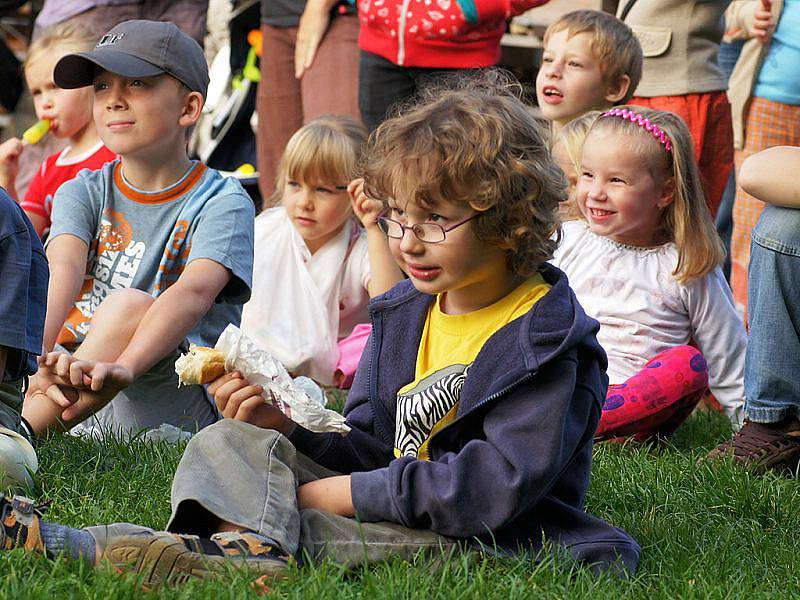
pixel 427 233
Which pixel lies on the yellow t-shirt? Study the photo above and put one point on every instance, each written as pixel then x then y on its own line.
pixel 449 345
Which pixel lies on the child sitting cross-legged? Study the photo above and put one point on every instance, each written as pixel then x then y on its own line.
pixel 474 407
pixel 150 251
pixel 315 267
pixel 644 259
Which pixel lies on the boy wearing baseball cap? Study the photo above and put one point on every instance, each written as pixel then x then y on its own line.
pixel 152 250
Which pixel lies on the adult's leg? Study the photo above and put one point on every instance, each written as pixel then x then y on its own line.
pixel 113 325
pixel 657 399
pixel 330 86
pixel 724 222
pixel 768 124
pixel 716 152
pixel 770 436
pixel 772 362
pixel 188 15
pixel 279 104
pixel 381 84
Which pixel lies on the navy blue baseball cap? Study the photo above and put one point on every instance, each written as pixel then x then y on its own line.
pixel 138 48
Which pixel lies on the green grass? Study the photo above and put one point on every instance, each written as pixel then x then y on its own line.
pixel 706 532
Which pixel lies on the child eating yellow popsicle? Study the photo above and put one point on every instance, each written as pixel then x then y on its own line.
pixel 66 114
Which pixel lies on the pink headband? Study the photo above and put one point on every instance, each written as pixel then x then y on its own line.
pixel 634 117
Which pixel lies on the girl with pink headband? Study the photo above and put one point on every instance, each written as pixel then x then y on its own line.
pixel 644 260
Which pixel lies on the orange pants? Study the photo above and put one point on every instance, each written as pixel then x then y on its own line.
pixel 708 116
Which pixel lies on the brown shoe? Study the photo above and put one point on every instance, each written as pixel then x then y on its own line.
pixel 167 558
pixel 762 446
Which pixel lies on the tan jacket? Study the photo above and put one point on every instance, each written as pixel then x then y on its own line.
pixel 739 20
pixel 680 40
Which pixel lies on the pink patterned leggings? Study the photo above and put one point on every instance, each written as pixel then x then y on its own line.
pixel 655 401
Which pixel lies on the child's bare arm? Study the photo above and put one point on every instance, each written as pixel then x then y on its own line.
pixel 67 257
pixel 10 151
pixel 384 270
pixel 331 494
pixel 173 315
pixel 771 176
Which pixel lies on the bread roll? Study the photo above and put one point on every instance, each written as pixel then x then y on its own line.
pixel 201 365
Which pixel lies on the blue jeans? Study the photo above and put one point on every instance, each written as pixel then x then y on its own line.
pixel 772 364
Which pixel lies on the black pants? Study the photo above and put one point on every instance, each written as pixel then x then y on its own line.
pixel 382 84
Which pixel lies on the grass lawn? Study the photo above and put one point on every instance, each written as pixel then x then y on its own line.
pixel 706 532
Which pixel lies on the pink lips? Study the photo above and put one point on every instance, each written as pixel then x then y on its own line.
pixel 552 95
pixel 305 221
pixel 599 215
pixel 119 125
pixel 423 272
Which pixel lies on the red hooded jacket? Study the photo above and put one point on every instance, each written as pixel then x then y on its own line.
pixel 437 33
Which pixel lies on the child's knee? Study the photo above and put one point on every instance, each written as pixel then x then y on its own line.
pixel 233 435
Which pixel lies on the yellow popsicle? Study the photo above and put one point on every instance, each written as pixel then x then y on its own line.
pixel 36 132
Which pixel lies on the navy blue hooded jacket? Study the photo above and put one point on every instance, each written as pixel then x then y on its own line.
pixel 513 468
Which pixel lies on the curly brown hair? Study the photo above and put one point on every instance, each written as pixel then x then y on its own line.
pixel 474 143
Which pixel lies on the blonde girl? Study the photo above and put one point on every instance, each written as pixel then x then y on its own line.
pixel 566 151
pixel 644 261
pixel 70 116
pixel 315 265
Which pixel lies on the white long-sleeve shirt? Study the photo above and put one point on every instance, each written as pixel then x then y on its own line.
pixel 643 310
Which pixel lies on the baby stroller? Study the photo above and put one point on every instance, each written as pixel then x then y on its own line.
pixel 224 137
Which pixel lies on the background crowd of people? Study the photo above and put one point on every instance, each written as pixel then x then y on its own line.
pixel 501 283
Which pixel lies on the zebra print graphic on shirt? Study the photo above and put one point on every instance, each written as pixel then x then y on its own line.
pixel 423 406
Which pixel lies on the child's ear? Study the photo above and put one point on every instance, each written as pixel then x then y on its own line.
pixel 667 193
pixel 618 89
pixel 192 109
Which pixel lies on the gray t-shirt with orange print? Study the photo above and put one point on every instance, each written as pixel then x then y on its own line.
pixel 144 240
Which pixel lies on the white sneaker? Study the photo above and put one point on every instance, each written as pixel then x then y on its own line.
pixel 18 460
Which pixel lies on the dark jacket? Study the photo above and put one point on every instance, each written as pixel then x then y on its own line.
pixel 24 276
pixel 514 465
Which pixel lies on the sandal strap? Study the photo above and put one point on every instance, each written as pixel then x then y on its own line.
pixel 20 522
pixel 246 544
